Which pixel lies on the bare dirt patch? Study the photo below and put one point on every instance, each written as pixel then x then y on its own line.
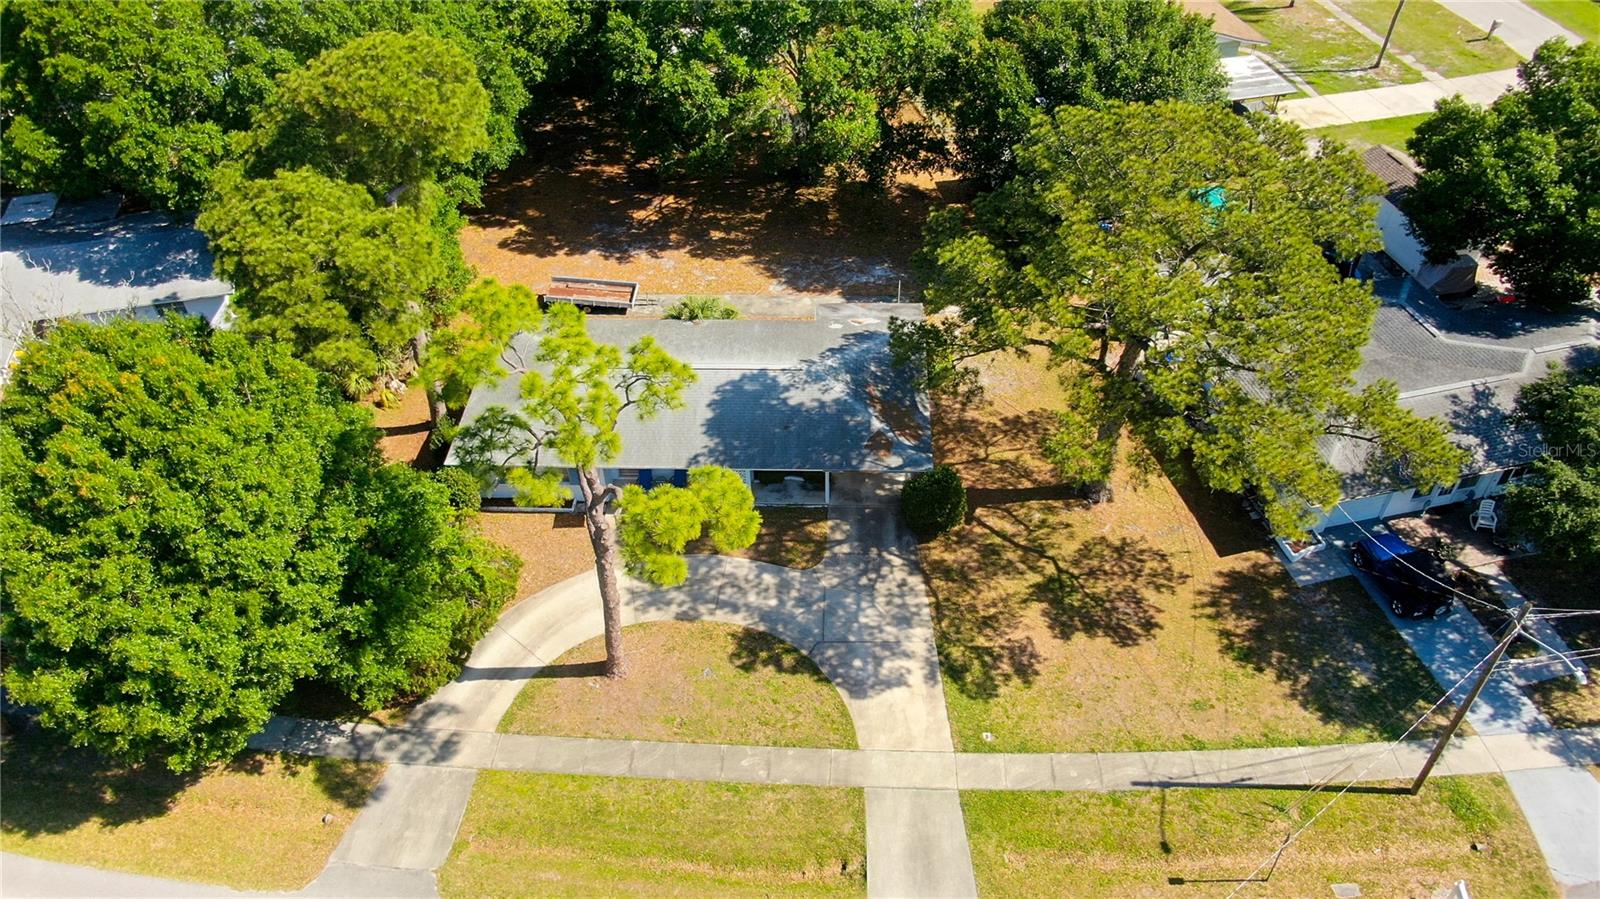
pixel 406 425
pixel 572 205
pixel 687 681
pixel 552 546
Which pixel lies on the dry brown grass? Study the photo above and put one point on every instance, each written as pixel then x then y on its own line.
pixel 697 682
pixel 255 823
pixel 1156 621
pixel 552 546
pixel 573 206
pixel 793 538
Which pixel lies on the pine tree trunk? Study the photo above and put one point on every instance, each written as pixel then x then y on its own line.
pixel 1099 491
pixel 607 567
pixel 437 410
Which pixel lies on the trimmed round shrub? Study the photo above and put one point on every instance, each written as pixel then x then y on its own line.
pixel 463 487
pixel 934 501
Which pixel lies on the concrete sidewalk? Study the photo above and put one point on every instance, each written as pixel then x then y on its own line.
pixel 862 615
pixel 1398 100
pixel 1287 766
pixel 1521 27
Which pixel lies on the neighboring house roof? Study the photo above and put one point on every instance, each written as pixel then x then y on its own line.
pixel 818 395
pixel 1463 366
pixel 130 266
pixel 1392 167
pixel 1224 23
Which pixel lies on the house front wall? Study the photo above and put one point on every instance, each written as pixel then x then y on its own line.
pixel 810 495
pixel 1407 502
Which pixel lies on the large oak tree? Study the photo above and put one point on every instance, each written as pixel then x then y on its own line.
pixel 1558 504
pixel 798 89
pixel 1035 56
pixel 191 522
pixel 142 96
pixel 1170 259
pixel 1520 180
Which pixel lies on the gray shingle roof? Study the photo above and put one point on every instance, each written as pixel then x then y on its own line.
pixel 60 269
pixel 817 395
pixel 1464 367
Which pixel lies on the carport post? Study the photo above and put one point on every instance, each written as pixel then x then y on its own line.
pixel 1461 710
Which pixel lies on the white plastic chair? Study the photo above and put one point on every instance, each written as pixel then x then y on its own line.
pixel 1485 516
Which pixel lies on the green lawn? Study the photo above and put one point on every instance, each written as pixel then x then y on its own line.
pixel 556 835
pixel 1389 132
pixel 1171 843
pixel 1331 56
pixel 1581 17
pixel 688 681
pixel 254 824
pixel 1158 620
pixel 1437 37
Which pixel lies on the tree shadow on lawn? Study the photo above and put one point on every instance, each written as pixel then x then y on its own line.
pixel 1332 646
pixel 1102 587
pixel 1221 515
pixel 577 191
pixel 53 787
pixel 344 783
pixel 753 650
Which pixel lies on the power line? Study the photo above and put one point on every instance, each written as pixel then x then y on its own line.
pixel 1550 649
pixel 1272 858
pixel 1402 561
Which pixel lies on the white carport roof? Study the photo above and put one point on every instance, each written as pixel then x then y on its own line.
pixel 1250 78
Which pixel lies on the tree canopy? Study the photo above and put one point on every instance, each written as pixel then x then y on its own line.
pixel 319 264
pixel 1520 180
pixel 1037 55
pixel 97 95
pixel 171 552
pixel 144 96
pixel 1169 258
pixel 795 88
pixel 1558 504
pixel 386 110
pixel 190 522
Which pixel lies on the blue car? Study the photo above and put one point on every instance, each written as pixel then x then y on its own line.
pixel 1413 579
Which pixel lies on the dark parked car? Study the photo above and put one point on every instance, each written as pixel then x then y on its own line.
pixel 1413 579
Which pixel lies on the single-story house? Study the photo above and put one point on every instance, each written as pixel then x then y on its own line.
pixel 808 412
pixel 145 266
pixel 1462 364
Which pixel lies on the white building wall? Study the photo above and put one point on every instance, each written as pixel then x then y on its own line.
pixel 1408 502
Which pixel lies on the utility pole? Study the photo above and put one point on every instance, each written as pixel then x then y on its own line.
pixel 1389 34
pixel 1472 696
